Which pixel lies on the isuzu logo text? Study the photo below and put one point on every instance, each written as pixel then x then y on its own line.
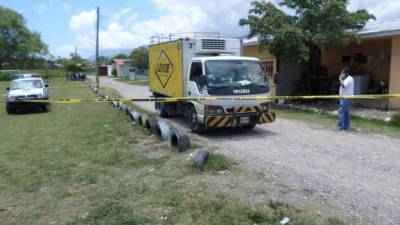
pixel 241 91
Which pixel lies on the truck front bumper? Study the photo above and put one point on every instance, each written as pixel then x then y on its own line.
pixel 239 120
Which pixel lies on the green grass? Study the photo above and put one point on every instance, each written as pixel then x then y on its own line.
pixel 330 121
pixel 88 164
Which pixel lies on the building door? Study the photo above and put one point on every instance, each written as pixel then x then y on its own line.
pixel 270 69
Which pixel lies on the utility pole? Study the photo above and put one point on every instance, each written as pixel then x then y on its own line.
pixel 97 49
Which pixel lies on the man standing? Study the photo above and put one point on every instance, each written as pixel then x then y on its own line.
pixel 346 88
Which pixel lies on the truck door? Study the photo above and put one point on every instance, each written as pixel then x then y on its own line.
pixel 194 87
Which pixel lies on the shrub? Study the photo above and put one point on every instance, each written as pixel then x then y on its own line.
pixel 7 76
pixel 396 120
pixel 114 72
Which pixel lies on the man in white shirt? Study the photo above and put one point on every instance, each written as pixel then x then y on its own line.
pixel 346 89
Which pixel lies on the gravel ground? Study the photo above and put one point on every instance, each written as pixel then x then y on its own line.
pixel 331 108
pixel 356 173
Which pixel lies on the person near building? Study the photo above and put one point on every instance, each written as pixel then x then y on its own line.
pixel 346 89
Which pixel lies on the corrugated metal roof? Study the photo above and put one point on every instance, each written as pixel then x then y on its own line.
pixel 381 29
pixel 371 30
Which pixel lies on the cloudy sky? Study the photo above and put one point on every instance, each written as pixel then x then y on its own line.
pixel 129 23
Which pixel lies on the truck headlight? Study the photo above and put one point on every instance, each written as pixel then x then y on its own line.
pixel 42 95
pixel 214 110
pixel 264 107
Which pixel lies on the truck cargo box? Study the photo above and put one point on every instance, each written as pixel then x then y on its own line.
pixel 166 68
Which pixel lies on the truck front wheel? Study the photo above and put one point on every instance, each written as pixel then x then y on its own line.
pixel 194 123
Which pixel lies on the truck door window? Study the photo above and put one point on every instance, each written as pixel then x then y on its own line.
pixel 196 70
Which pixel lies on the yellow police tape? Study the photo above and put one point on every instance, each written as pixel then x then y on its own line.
pixel 125 100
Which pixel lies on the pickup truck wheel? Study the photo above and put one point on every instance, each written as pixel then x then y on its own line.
pixel 10 109
pixel 195 126
pixel 46 108
pixel 161 109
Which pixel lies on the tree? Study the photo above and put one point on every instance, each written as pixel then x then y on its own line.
pixel 17 42
pixel 140 57
pixel 120 56
pixel 103 60
pixel 301 34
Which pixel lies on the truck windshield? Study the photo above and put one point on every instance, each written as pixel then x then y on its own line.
pixel 235 73
pixel 26 84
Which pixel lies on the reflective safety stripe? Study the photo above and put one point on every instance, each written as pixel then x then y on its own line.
pixel 267 117
pixel 214 120
pixel 243 109
pixel 224 122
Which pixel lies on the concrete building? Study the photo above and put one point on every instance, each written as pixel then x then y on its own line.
pixel 123 67
pixel 374 61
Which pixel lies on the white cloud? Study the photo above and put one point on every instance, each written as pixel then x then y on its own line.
pixel 126 30
pixel 41 8
pixel 83 21
pixel 382 9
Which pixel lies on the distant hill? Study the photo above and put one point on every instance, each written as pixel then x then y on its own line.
pixel 109 53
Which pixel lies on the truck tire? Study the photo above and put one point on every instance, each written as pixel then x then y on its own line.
pixel 136 115
pixel 195 125
pixel 150 123
pixel 142 120
pixel 163 130
pixel 178 139
pixel 200 159
pixel 161 108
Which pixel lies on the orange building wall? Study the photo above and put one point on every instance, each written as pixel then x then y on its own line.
pixel 378 65
pixel 394 85
pixel 263 56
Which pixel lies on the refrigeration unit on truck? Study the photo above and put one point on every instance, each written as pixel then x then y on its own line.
pixel 209 67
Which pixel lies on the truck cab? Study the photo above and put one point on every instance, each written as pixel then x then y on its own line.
pixel 209 67
pixel 231 77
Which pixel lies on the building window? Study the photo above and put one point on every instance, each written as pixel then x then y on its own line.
pixel 269 68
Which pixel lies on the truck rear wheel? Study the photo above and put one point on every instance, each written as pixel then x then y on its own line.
pixel 194 123
pixel 161 108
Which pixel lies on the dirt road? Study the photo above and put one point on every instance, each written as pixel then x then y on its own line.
pixel 357 173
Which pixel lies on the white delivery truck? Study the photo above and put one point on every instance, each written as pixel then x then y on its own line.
pixel 209 67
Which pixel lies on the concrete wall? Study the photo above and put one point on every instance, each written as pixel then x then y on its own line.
pixel 290 74
pixel 377 50
pixel 394 84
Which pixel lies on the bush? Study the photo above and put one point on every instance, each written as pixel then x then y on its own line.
pixel 8 76
pixel 396 120
pixel 114 72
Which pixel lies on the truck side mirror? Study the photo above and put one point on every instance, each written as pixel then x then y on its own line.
pixel 46 85
pixel 203 81
pixel 8 88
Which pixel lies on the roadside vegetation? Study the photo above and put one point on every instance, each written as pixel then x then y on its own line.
pixel 88 164
pixel 358 124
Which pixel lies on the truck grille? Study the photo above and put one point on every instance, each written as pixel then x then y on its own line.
pixel 213 44
pixel 27 97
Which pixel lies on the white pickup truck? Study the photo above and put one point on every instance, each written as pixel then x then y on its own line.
pixel 22 91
